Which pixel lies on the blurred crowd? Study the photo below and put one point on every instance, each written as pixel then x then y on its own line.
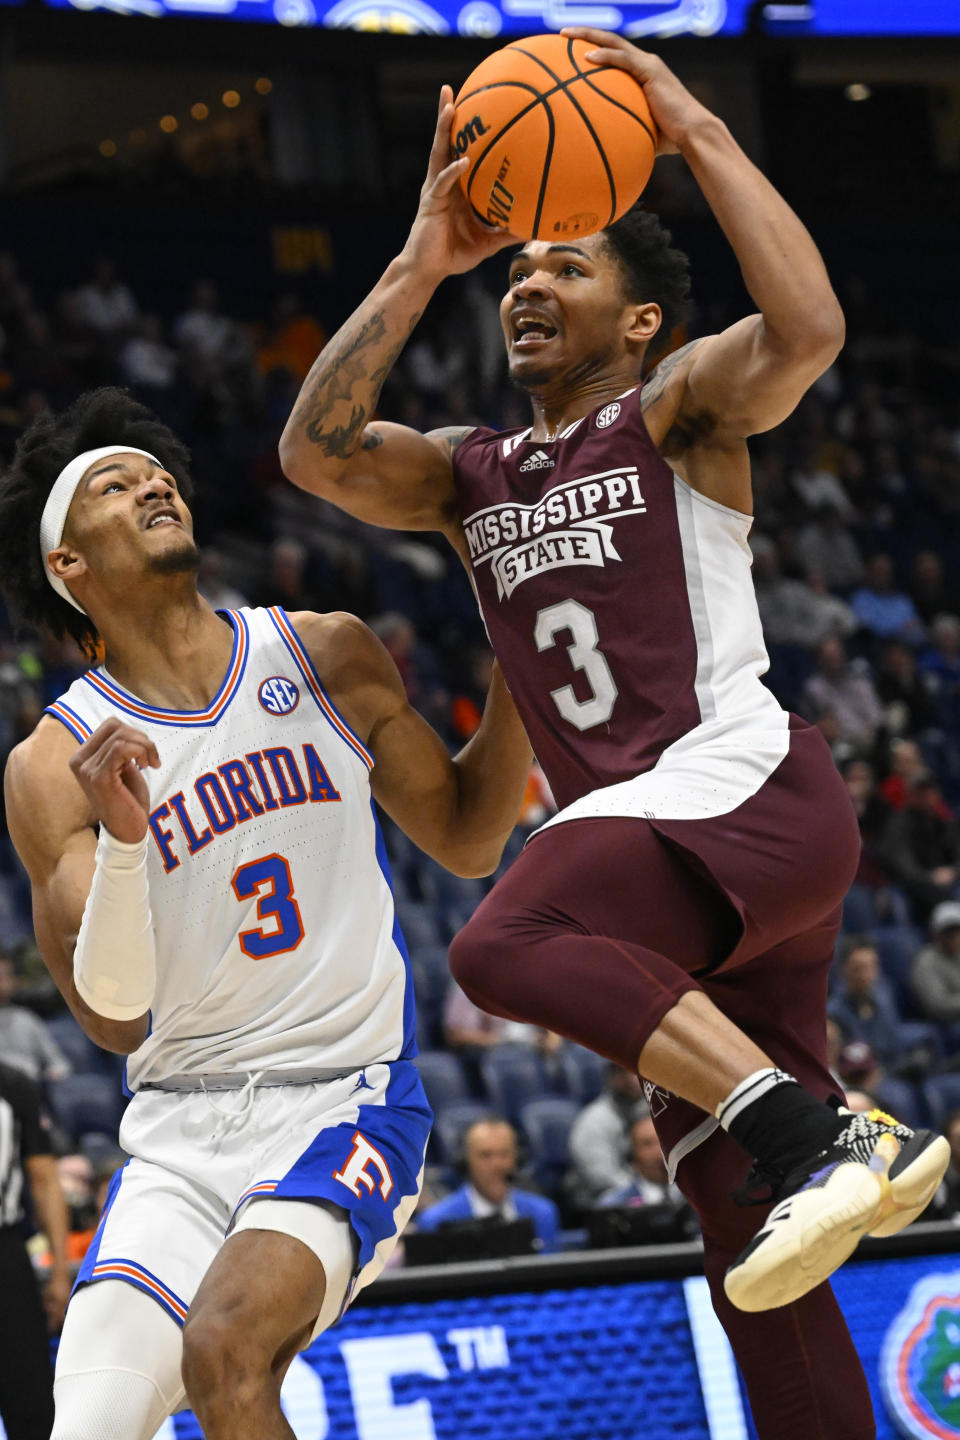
pixel 857 570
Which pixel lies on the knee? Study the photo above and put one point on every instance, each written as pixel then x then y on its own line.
pixel 220 1358
pixel 476 954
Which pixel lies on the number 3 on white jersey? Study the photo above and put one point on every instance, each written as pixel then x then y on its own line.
pixel 584 655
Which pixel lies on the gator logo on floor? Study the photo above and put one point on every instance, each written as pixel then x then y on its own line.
pixel 920 1361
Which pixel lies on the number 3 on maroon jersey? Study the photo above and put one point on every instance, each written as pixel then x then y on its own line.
pixel 584 655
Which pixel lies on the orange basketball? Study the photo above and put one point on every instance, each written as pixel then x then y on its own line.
pixel 558 146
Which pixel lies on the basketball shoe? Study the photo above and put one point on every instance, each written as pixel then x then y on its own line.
pixel 875 1178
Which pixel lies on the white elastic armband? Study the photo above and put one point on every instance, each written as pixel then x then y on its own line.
pixel 114 962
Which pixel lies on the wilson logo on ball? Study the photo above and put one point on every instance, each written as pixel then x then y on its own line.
pixel 278 695
pixel 500 202
pixel 468 134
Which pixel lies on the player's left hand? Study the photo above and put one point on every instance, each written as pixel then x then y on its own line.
pixel 671 103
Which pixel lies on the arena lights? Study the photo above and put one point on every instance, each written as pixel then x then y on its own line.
pixel 169 124
pixel 858 91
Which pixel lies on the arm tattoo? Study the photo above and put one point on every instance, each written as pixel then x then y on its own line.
pixel 335 380
pixel 659 376
pixel 371 439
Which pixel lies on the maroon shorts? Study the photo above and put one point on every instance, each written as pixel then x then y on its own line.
pixel 601 925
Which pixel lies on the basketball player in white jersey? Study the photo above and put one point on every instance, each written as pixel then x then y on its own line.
pixel 231 929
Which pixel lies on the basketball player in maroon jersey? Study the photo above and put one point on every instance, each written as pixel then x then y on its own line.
pixel 679 914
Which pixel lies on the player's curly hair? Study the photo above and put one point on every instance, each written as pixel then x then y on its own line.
pixel 653 270
pixel 108 416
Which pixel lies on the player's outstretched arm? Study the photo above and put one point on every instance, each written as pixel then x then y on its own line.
pixel 388 474
pixel 749 378
pixel 52 825
pixel 458 809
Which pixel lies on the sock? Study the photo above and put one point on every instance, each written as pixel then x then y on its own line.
pixel 777 1121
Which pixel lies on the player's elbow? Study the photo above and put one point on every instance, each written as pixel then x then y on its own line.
pixel 120 1037
pixel 303 465
pixel 472 861
pixel 820 339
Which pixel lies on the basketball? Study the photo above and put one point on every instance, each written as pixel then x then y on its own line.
pixel 558 146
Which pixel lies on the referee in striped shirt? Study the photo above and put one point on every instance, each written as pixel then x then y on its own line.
pixel 26 1375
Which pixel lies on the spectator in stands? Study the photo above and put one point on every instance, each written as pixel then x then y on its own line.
pixel 858 1067
pixel 829 615
pixel 946 1202
pixel 105 305
pixel 793 613
pixel 931 592
pixel 862 1005
pixel 827 546
pixel 872 812
pixel 202 330
pixel 920 847
pixel 470 1032
pixel 147 363
pixel 490 1160
pixel 648 1183
pixel 293 339
pixel 883 611
pixel 287 580
pixel 906 765
pixel 24 1039
pixel 844 689
pixel 211 584
pixel 600 1137
pixel 935 975
pixel 907 706
pixel 940 666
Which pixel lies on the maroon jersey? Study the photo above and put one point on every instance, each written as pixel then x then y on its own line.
pixel 618 600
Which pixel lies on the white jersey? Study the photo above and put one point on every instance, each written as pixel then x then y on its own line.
pixel 276 938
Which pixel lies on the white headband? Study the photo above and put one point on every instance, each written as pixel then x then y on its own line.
pixel 54 516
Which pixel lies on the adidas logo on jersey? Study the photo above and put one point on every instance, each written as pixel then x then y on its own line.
pixel 539 460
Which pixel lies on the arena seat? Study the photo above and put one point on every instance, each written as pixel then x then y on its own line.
pixel 513 1074
pixel 453 898
pixel 84 1056
pixel 431 980
pixel 583 1072
pixel 859 910
pixel 896 948
pixel 546 1124
pixel 418 923
pixel 942 1095
pixel 87 1102
pixel 443 1079
pixel 450 1126
pixel 901 1100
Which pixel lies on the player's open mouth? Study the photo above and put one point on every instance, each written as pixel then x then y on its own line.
pixel 162 517
pixel 529 328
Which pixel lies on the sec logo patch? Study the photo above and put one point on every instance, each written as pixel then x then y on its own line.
pixel 607 415
pixel 278 695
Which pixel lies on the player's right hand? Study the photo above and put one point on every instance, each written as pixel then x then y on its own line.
pixel 108 767
pixel 447 238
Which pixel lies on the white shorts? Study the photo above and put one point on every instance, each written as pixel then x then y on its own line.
pixel 200 1159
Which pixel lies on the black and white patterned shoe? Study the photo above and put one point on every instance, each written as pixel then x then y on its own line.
pixel 876 1177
